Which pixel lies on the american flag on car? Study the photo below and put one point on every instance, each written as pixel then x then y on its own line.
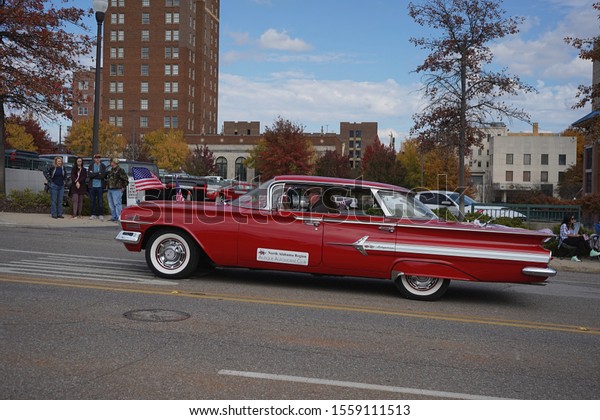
pixel 145 180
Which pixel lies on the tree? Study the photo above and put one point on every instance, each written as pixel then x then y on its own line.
pixel 380 164
pixel 285 150
pixel 168 150
pixel 37 55
pixel 41 138
pixel 589 49
pixel 110 140
pixel 571 185
pixel 333 164
pixel 462 94
pixel 18 138
pixel 201 162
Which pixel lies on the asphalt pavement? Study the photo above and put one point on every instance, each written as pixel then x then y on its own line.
pixel 33 220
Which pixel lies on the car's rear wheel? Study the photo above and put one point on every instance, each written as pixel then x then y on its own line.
pixel 172 254
pixel 421 287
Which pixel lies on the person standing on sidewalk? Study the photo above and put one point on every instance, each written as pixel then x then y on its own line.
pixel 96 174
pixel 78 187
pixel 116 181
pixel 57 178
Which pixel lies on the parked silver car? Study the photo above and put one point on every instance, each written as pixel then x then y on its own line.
pixel 449 199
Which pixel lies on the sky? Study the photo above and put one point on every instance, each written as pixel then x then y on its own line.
pixel 320 62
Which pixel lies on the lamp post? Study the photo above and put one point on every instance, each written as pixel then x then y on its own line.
pixel 100 7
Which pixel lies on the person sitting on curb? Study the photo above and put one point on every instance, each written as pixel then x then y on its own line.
pixel 569 237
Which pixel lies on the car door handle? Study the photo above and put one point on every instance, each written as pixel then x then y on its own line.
pixel 315 223
pixel 388 228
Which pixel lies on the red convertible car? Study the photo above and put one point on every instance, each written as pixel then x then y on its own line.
pixel 334 227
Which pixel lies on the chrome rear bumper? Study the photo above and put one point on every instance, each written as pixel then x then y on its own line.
pixel 539 272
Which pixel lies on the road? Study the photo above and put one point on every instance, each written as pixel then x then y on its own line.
pixel 81 318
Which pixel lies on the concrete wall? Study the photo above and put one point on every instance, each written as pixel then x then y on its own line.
pixel 20 179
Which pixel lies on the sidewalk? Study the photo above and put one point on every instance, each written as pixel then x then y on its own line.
pixel 46 221
pixel 588 265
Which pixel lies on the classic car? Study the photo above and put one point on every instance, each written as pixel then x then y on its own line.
pixel 376 231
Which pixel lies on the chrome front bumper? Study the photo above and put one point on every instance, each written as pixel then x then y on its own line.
pixel 129 237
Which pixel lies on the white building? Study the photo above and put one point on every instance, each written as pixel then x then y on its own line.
pixel 509 162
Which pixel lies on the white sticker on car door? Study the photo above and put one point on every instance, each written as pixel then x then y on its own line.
pixel 281 256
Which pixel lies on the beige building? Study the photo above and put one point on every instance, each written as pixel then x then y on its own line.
pixel 510 162
pixel 232 147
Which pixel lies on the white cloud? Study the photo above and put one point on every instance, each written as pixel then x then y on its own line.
pixel 273 40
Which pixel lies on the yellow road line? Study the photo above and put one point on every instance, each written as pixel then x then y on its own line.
pixel 316 305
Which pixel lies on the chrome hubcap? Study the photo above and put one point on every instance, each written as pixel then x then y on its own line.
pixel 171 254
pixel 422 284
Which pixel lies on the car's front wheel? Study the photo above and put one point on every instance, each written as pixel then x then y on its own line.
pixel 172 254
pixel 421 288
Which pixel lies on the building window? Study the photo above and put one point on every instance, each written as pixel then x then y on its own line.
pixel 241 173
pixel 357 144
pixel 145 18
pixel 358 134
pixel 175 87
pixel 351 134
pixel 561 177
pixel 527 159
pixel 221 167
pixel 144 70
pixel 526 176
pixel 562 160
pixel 145 53
pixel 509 176
pixel 167 87
pixel 509 159
pixel 175 105
pixel 544 176
pixel 145 3
pixel 167 105
pixel 144 87
pixel 84 85
pixel 144 104
pixel 167 69
pixel 145 35
pixel 544 159
pixel 143 122
pixel 83 110
pixel 351 144
pixel 167 122
pixel 174 122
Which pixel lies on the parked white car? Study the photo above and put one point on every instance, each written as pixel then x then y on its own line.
pixel 449 199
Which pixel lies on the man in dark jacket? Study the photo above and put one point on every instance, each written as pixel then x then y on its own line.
pixel 96 174
pixel 116 180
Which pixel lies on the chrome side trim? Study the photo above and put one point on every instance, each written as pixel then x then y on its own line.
pixel 129 237
pixel 488 254
pixel 363 245
pixel 539 272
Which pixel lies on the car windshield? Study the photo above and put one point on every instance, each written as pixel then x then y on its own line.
pixel 405 205
pixel 468 200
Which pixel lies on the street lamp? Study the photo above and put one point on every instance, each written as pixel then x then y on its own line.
pixel 100 7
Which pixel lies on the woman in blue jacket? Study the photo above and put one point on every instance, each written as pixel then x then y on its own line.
pixel 57 178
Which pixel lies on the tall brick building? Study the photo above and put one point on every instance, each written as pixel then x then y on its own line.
pixel 161 66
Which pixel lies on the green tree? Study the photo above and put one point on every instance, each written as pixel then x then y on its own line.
pixel 168 149
pixel 462 94
pixel 572 183
pixel 110 140
pixel 37 55
pixel 201 162
pixel 41 138
pixel 380 163
pixel 18 138
pixel 333 164
pixel 285 151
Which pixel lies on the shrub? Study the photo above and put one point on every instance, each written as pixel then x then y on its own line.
pixel 26 201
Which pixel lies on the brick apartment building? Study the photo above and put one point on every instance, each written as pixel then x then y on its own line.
pixel 160 66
